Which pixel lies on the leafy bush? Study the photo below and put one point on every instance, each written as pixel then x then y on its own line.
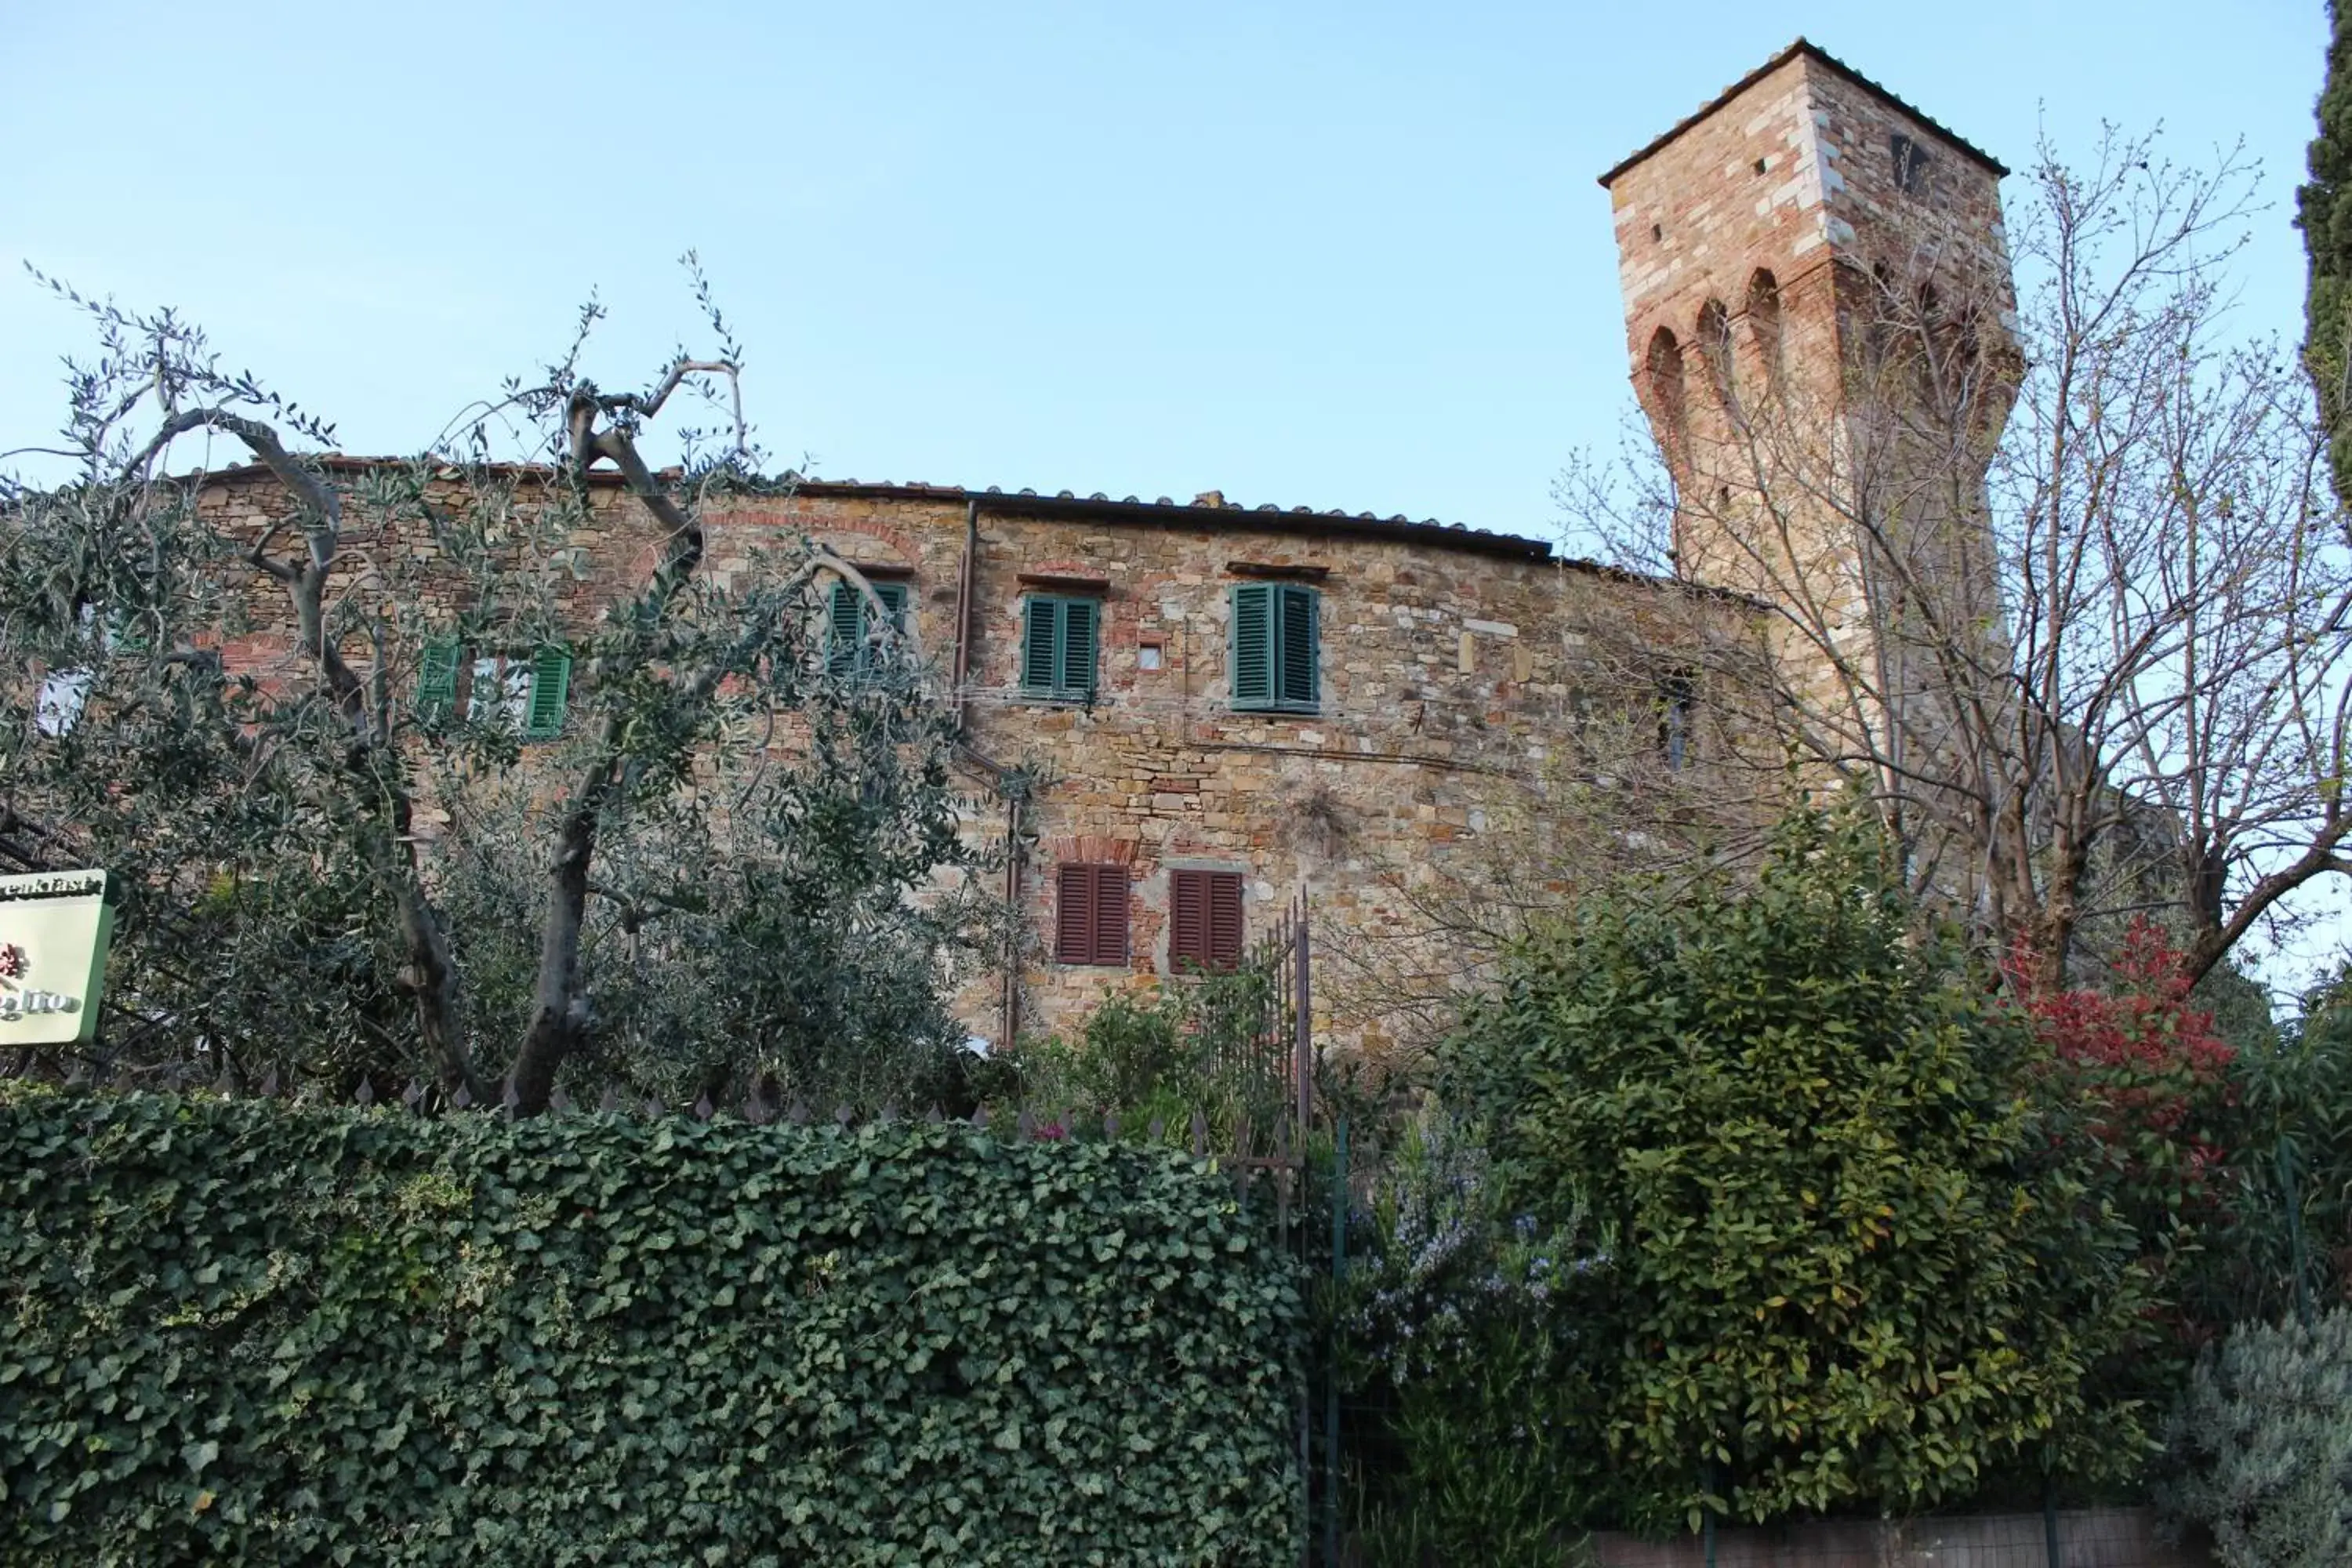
pixel 2154 1076
pixel 2296 1092
pixel 1184 1048
pixel 238 1332
pixel 2151 1075
pixel 1859 1255
pixel 2260 1451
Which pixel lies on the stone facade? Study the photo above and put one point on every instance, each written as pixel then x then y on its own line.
pixel 1456 669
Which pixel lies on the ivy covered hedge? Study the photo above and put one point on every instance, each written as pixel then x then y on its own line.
pixel 237 1332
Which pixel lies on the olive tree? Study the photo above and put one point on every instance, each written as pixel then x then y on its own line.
pixel 396 783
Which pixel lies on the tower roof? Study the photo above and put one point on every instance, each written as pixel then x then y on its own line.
pixel 1824 58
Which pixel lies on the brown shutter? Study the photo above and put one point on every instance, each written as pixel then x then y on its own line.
pixel 1074 915
pixel 1224 920
pixel 1111 899
pixel 1188 919
pixel 1204 927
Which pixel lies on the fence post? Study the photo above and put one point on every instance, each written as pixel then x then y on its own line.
pixel 1331 1369
pixel 2050 1520
pixel 1302 1004
pixel 1706 1518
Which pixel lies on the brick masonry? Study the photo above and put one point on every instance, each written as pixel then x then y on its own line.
pixel 1772 249
pixel 1452 664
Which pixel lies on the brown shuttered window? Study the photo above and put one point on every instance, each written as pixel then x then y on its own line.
pixel 1204 927
pixel 1090 915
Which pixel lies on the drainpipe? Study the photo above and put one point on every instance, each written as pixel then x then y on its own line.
pixel 1012 930
pixel 961 671
pixel 962 666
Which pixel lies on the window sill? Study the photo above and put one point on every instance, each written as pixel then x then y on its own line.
pixel 1295 710
pixel 1060 698
pixel 1119 965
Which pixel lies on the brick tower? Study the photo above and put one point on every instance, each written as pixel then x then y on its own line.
pixel 1818 308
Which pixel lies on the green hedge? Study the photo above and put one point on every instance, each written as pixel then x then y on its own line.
pixel 238 1332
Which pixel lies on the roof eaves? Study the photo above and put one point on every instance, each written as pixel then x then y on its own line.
pixel 1814 52
pixel 1131 509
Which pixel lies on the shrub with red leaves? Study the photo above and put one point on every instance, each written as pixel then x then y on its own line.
pixel 2152 1078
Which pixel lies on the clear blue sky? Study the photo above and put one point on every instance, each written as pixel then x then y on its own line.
pixel 1341 256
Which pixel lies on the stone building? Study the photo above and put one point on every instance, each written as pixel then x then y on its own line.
pixel 1228 707
pixel 1237 705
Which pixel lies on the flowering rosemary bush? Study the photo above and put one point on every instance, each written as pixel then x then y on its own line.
pixel 2261 1450
pixel 1460 1354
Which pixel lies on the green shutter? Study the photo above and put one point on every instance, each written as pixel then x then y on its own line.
pixel 1251 644
pixel 1296 656
pixel 846 629
pixel 1059 648
pixel 124 633
pixel 1041 645
pixel 436 680
pixel 550 684
pixel 850 628
pixel 1077 674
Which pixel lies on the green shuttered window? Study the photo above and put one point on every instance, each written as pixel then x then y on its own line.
pixel 436 680
pixel 530 694
pixel 550 688
pixel 853 642
pixel 1059 642
pixel 1274 651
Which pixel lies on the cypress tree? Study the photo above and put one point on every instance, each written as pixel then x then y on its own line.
pixel 2324 212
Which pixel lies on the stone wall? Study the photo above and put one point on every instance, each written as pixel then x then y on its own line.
pixel 2087 1538
pixel 1465 679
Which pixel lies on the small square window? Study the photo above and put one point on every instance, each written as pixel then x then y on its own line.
pixel 1148 656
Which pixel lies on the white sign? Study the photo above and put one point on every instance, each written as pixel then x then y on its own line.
pixel 54 927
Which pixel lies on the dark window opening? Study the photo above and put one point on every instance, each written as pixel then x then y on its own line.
pixel 1763 165
pixel 1205 919
pixel 1090 907
pixel 1678 700
pixel 1667 397
pixel 1764 320
pixel 1657 232
pixel 1910 164
pixel 1715 349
